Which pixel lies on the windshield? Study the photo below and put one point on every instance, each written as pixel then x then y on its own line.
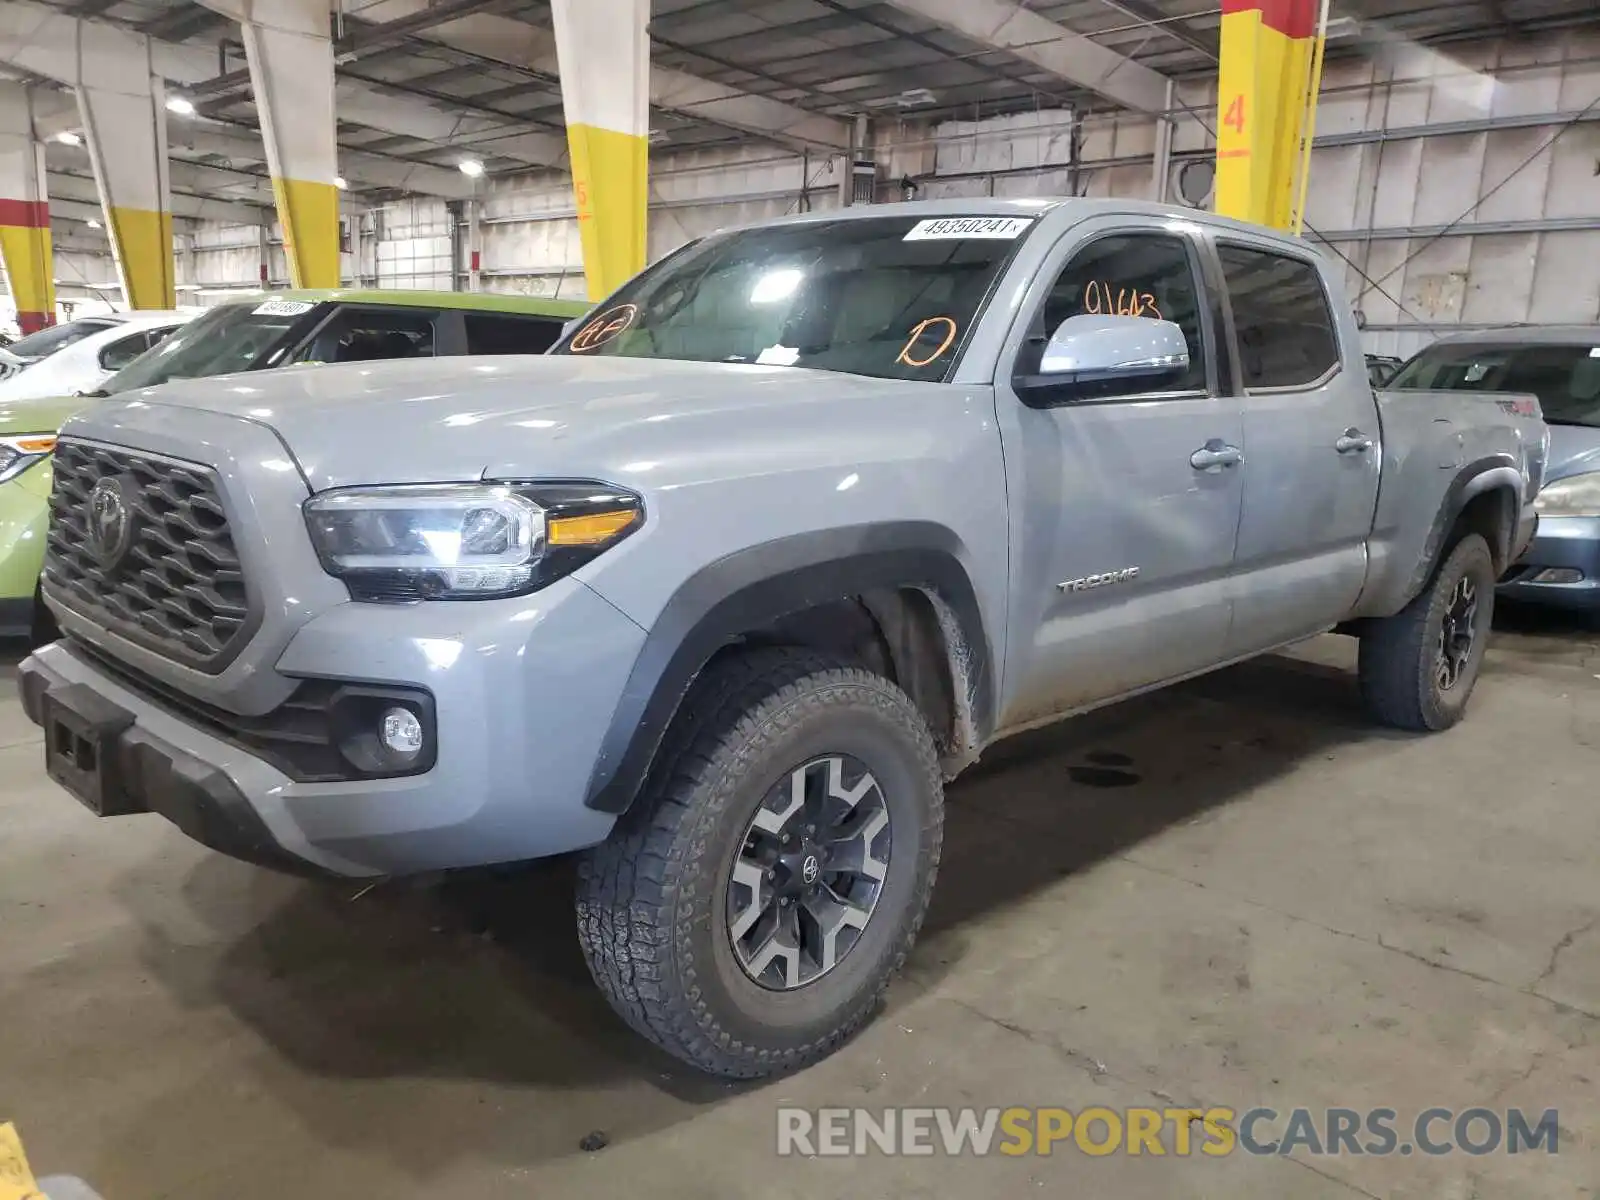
pixel 57 337
pixel 1565 378
pixel 893 297
pixel 231 337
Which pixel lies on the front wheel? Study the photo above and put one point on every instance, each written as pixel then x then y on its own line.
pixel 1418 667
pixel 748 912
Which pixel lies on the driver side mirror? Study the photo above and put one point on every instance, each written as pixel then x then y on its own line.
pixel 1096 349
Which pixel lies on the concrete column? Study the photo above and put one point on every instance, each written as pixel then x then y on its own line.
pixel 604 55
pixel 24 212
pixel 1161 165
pixel 1263 87
pixel 122 105
pixel 288 47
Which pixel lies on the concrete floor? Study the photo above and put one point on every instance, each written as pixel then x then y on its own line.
pixel 1235 893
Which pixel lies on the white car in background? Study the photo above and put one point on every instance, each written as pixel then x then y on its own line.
pixel 77 356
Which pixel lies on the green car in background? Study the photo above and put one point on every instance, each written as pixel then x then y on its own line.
pixel 252 333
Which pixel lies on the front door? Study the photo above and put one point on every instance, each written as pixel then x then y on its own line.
pixel 1125 498
pixel 1311 444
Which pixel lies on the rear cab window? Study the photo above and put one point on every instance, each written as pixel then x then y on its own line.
pixel 1282 320
pixel 511 333
pixel 888 297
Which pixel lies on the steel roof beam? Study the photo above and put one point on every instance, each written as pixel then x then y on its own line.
pixel 1080 61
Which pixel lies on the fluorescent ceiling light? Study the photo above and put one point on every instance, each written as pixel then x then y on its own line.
pixel 67 138
pixel 339 182
pixel 181 105
pixel 470 166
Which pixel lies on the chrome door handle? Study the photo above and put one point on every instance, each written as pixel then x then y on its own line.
pixel 1215 455
pixel 1352 441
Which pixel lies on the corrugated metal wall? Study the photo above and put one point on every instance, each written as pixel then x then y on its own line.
pixel 1460 186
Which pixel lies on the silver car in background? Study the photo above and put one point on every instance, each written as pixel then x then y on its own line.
pixel 1561 366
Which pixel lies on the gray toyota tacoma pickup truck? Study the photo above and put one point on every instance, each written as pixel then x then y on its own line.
pixel 723 590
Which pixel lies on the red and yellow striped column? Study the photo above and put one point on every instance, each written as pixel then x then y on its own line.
pixel 1263 106
pixel 25 250
pixel 604 55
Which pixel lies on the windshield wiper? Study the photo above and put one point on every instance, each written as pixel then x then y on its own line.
pixel 97 394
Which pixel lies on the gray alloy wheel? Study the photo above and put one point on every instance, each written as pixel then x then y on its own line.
pixel 1458 634
pixel 809 872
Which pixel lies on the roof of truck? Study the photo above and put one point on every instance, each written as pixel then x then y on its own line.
pixel 416 298
pixel 1537 335
pixel 1035 206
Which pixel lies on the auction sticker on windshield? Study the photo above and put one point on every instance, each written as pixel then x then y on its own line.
pixel 946 228
pixel 281 308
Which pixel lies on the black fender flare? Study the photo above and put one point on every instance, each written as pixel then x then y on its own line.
pixel 1471 481
pixel 752 588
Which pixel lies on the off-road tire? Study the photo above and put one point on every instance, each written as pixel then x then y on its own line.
pixel 652 899
pixel 1398 654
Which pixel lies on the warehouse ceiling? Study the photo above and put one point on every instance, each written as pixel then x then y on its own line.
pixel 417 87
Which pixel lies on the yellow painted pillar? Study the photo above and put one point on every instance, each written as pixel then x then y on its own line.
pixel 1263 85
pixel 287 45
pixel 125 127
pixel 25 252
pixel 604 56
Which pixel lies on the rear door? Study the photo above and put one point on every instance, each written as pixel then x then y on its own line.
pixel 1312 456
pixel 1122 539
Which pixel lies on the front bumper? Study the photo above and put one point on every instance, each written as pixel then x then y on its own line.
pixel 523 690
pixel 1560 567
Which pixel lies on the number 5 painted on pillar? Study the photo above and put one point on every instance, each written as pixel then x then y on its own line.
pixel 1234 117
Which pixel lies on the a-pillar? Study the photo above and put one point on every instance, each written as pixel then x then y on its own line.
pixel 24 212
pixel 288 48
pixel 122 105
pixel 604 56
pixel 1263 85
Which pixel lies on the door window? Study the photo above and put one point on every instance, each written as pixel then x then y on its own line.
pixel 124 350
pixel 368 334
pixel 505 333
pixel 1136 274
pixel 1285 329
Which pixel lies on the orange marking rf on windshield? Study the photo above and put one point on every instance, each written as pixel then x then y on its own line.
pixel 608 325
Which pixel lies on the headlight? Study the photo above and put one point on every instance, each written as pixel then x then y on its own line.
pixel 19 453
pixel 465 541
pixel 1575 496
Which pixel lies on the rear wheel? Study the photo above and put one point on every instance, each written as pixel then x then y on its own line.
pixel 749 910
pixel 1418 667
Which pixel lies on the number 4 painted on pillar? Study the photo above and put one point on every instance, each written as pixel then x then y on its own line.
pixel 1234 117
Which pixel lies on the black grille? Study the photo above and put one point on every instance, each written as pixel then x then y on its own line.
pixel 176 588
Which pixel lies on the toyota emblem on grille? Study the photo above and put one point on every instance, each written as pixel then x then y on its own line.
pixel 110 520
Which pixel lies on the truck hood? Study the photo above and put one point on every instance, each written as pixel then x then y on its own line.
pixel 454 419
pixel 1574 450
pixel 38 416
